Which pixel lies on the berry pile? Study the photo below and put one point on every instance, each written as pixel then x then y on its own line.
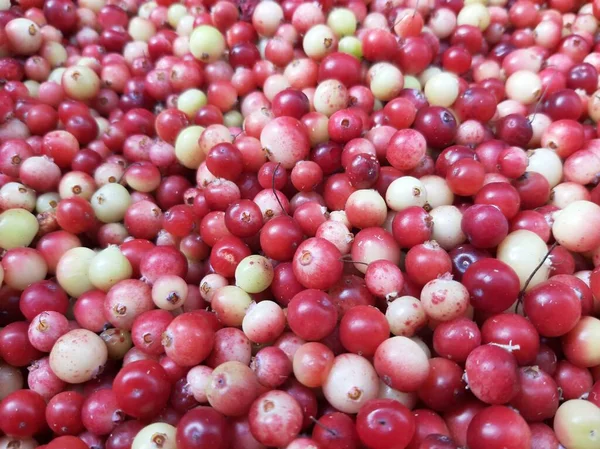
pixel 323 224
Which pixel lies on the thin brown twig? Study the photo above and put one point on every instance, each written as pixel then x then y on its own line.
pixel 341 259
pixel 537 106
pixel 275 190
pixel 323 426
pixel 533 273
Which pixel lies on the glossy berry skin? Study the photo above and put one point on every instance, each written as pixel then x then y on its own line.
pixel 224 160
pixel 533 189
pixel 75 215
pixel 291 103
pixel 456 339
pixel 552 307
pixel 227 254
pixel 543 436
pixel 142 389
pixel 498 427
pixel 426 262
pixel 189 338
pixel 412 226
pixel 538 396
pixel 450 156
pixel 572 380
pixel 363 171
pixel 437 441
pixel 582 290
pixel 444 388
pixel 15 347
pixel 458 419
pixel 100 413
pixel 492 374
pixel 203 428
pixel 466 177
pixel 437 124
pixel 426 422
pixel 484 226
pixel 344 126
pixel 163 260
pixel 123 435
pixel 363 329
pixel 22 414
pixel 317 263
pixel 61 14
pixel 502 195
pixel 280 237
pixel 492 284
pixel 385 424
pixel 63 413
pixel 341 66
pixel 511 329
pixel 463 257
pixel 476 103
pixel 563 104
pixel 312 315
pixel 344 433
pixel 275 418
pixel 285 285
pixel 67 442
pixel 243 218
pixel 515 130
